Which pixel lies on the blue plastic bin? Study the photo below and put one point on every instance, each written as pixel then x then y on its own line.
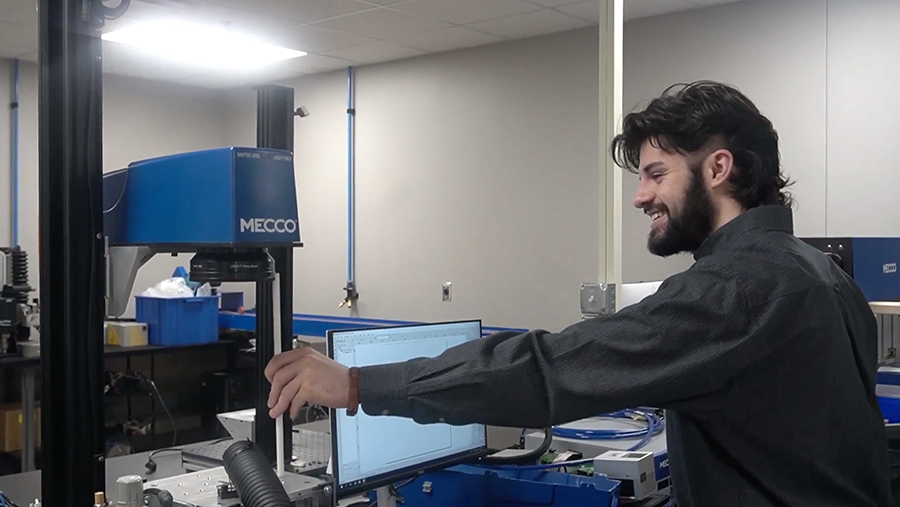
pixel 179 321
pixel 890 408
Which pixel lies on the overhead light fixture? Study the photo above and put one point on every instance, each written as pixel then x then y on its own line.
pixel 200 44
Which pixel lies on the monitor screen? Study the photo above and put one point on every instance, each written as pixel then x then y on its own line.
pixel 373 451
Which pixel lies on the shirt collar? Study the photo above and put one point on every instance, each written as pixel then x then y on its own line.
pixel 769 218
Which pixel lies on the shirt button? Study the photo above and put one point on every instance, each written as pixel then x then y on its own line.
pixel 441 419
pixel 384 412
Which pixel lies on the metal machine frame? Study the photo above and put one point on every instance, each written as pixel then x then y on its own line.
pixel 274 129
pixel 71 250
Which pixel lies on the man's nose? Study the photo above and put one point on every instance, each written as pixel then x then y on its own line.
pixel 642 197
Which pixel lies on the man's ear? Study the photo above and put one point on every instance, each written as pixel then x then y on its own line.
pixel 720 165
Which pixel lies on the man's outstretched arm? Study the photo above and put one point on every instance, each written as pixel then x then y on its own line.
pixel 672 349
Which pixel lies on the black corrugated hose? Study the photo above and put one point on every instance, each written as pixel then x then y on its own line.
pixel 252 475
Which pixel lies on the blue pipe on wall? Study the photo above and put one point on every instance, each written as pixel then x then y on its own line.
pixel 351 177
pixel 15 152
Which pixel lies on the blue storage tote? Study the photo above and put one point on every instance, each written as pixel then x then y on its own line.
pixel 179 321
pixel 890 408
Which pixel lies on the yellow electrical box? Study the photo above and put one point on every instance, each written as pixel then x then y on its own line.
pixel 11 428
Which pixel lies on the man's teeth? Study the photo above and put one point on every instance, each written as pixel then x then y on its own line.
pixel 655 215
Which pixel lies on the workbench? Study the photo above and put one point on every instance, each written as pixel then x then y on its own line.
pixel 28 366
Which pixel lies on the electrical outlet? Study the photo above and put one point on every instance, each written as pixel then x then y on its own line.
pixel 446 293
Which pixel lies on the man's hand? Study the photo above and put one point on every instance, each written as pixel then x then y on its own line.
pixel 304 376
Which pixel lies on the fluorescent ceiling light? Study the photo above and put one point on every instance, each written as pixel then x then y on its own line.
pixel 201 45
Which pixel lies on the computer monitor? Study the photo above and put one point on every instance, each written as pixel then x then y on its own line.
pixel 369 452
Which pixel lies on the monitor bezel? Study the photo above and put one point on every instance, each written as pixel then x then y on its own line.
pixel 408 472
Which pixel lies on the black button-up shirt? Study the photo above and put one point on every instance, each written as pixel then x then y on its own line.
pixel 763 354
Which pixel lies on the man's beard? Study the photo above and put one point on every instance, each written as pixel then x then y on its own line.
pixel 693 224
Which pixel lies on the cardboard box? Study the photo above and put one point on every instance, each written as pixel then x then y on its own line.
pixel 126 334
pixel 11 428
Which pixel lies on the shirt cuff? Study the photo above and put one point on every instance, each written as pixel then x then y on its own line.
pixel 382 389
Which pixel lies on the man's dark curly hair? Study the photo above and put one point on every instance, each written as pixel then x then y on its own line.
pixel 688 118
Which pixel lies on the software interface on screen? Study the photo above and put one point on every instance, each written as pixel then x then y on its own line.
pixel 370 446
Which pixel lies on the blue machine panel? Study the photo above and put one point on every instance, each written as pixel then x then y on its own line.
pixel 222 197
pixel 875 267
pixel 265 197
pixel 872 262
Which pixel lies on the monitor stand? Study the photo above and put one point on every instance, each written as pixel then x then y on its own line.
pixel 384 497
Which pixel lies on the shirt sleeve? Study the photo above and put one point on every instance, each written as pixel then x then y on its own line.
pixel 671 350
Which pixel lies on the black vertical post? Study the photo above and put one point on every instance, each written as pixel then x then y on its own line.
pixel 71 251
pixel 263 425
pixel 275 129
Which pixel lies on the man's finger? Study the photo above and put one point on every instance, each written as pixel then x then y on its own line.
pixel 281 360
pixel 281 379
pixel 285 396
pixel 298 402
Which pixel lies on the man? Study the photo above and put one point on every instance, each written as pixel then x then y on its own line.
pixel 763 352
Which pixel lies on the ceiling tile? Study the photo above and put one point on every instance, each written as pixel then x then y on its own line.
pixel 313 39
pixel 305 11
pixel 588 11
pixel 310 64
pixel 557 3
pixel 19 36
pixel 382 23
pixel 375 52
pixel 256 23
pixel 446 39
pixel 645 8
pixel 147 9
pixel 135 61
pixel 463 12
pixel 530 24
pixel 113 25
pixel 249 23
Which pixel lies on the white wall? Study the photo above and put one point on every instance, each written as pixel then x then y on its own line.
pixel 774 51
pixel 5 144
pixel 141 119
pixel 478 167
pixel 863 170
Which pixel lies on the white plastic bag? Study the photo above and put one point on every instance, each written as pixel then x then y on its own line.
pixel 204 290
pixel 169 288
